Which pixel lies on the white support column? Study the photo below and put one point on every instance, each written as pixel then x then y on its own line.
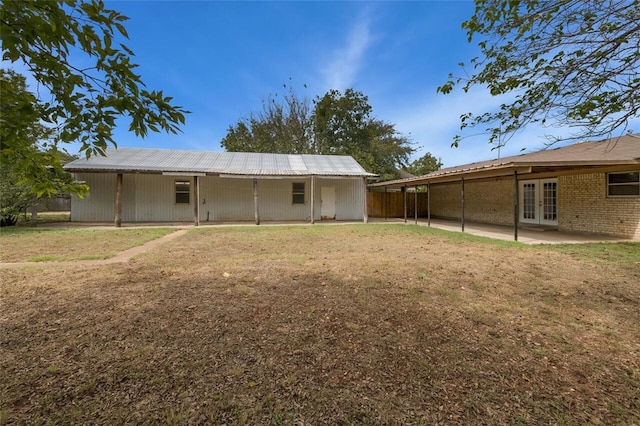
pixel 365 209
pixel 118 207
pixel 196 197
pixel 312 198
pixel 256 213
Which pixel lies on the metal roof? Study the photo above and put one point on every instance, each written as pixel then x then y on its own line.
pixel 145 160
pixel 623 150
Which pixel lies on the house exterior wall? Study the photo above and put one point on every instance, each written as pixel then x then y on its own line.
pixel 583 205
pixel 151 197
pixel 488 201
pixel 99 205
pixel 350 197
pixel 446 200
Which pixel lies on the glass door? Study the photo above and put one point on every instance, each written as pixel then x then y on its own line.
pixel 539 201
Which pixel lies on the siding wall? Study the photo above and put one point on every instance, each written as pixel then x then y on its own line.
pixel 99 205
pixel 149 198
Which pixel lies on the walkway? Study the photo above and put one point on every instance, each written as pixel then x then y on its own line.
pixel 123 256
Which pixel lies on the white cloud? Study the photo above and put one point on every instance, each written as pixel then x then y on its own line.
pixel 346 61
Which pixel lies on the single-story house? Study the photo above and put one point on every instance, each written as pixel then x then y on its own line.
pixel 164 185
pixel 590 187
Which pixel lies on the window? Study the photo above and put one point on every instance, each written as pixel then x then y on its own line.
pixel 298 193
pixel 623 184
pixel 183 191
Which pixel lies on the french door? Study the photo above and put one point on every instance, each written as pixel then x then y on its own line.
pixel 539 201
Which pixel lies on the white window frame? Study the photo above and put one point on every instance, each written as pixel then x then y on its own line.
pixel 182 193
pixel 296 193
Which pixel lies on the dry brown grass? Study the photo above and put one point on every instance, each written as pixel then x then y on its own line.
pixel 364 324
pixel 21 244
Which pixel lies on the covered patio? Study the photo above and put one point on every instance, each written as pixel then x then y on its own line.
pixel 526 235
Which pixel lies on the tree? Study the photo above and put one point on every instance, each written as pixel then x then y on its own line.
pixel 343 125
pixel 338 124
pixel 31 163
pixel 569 63
pixel 282 126
pixel 83 101
pixel 424 165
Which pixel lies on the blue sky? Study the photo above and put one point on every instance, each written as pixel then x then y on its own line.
pixel 220 59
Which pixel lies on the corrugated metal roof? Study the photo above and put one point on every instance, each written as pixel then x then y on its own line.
pixel 616 151
pixel 223 163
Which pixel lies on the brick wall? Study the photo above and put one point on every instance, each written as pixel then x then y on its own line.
pixel 583 206
pixel 489 201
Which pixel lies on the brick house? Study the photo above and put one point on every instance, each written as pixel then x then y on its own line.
pixel 590 187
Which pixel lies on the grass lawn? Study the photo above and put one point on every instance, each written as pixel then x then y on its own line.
pixel 357 324
pixel 33 244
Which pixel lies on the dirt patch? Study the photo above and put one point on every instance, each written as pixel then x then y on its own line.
pixel 324 325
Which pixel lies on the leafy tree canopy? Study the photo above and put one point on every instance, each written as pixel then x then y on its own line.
pixel 283 126
pixel 568 62
pixel 424 165
pixel 51 39
pixel 31 164
pixel 340 124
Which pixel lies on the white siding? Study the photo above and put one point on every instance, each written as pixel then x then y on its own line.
pixel 226 199
pixel 155 199
pixel 151 197
pixel 349 197
pixel 99 205
pixel 276 200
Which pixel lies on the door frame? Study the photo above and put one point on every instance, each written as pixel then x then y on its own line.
pixel 323 204
pixel 539 202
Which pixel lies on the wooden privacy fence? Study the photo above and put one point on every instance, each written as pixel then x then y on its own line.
pixel 391 204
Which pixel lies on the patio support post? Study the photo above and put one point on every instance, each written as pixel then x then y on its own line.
pixel 516 205
pixel 428 203
pixel 462 204
pixel 365 207
pixel 313 199
pixel 404 198
pixel 415 203
pixel 196 197
pixel 118 207
pixel 256 213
